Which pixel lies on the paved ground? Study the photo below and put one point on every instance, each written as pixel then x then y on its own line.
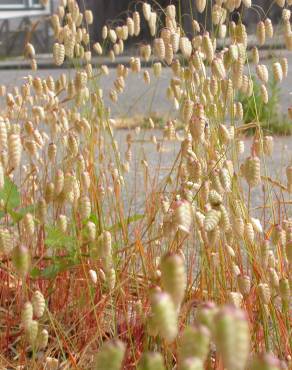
pixel 139 98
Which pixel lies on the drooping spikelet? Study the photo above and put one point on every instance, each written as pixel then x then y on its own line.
pixel 21 259
pixel 164 315
pixel 231 334
pixel 26 315
pixel 151 361
pixel 110 356
pixel 252 171
pixel 173 277
pixel 38 303
pixel 201 5
pixel 194 342
pixel 14 150
pixel 212 219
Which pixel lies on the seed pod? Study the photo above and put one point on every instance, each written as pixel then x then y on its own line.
pixel 244 284
pixel 274 278
pixel 192 363
pixel 26 315
pixel 281 3
pixel 84 207
pixel 249 232
pixel 284 65
pixel 6 241
pixel 201 5
pixel 224 220
pixel 185 47
pixel 58 53
pixel 215 198
pixel 183 216
pixel 146 11
pixel 42 339
pixel 21 259
pixel 207 47
pixel 269 28
pixel 252 171
pixel 284 290
pixel 168 53
pixel 130 25
pixel 110 356
pixel 88 16
pixel 261 33
pixel 255 55
pixel 268 145
pixel 194 342
pixel 14 150
pixel 28 223
pixel 187 110
pixel 264 293
pixel 151 361
pixel 173 277
pixel 231 334
pixel 38 303
pixel 263 73
pixel 136 19
pixel 164 315
pixel 211 220
pixel 278 73
pixel 31 332
pixel 264 94
pixel 159 48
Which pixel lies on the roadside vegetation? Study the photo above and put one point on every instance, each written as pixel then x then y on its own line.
pixel 114 257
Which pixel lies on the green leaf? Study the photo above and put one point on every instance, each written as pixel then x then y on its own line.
pixel 10 194
pixel 17 216
pixel 56 239
pixel 127 221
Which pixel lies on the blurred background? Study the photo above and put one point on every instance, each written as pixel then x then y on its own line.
pixel 19 17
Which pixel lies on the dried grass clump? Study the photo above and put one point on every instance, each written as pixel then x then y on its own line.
pixel 108 258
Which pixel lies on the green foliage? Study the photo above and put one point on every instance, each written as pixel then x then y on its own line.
pixel 268 114
pixel 10 195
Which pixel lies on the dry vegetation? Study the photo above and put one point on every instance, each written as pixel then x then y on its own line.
pixel 193 278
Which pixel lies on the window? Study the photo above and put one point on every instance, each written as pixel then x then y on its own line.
pixel 19 4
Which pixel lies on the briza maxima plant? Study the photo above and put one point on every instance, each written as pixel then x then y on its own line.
pixel 108 261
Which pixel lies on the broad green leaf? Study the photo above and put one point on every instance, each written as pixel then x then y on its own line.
pixel 18 216
pixel 56 239
pixel 10 194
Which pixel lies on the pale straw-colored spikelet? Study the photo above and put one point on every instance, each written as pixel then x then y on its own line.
pixel 261 33
pixel 159 48
pixel 264 94
pixel 212 219
pixel 286 15
pixel 255 55
pixel 93 276
pixel 269 28
pixel 252 171
pixel 6 241
pixel 84 207
pixel 90 230
pixel 244 284
pixel 247 3
pixel 88 16
pixel 146 11
pixel 277 71
pixel 42 339
pixel 268 145
pixel 207 47
pixel 31 332
pixel 264 293
pixel 51 363
pixel 38 303
pixel 201 5
pixel 104 32
pixel 26 315
pixel 235 299
pixel 285 292
pixel 136 20
pixel 281 3
pixel 249 232
pixel 185 47
pixel 274 278
pixel 28 223
pixel 14 150
pixel 284 65
pixel 62 223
